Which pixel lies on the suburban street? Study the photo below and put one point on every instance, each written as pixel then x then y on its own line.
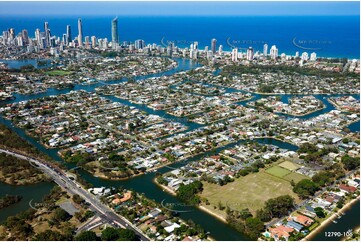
pixel 59 177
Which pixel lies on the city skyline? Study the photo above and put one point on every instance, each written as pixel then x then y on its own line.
pixel 147 8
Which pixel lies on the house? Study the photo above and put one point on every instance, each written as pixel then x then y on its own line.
pixel 126 197
pixel 348 189
pixel 171 228
pixel 154 213
pixel 295 225
pixel 303 220
pixel 280 231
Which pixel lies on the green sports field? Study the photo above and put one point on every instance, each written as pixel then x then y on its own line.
pixel 278 171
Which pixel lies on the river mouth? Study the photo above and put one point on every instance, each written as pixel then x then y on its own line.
pixel 144 183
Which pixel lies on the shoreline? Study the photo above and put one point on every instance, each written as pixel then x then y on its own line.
pixel 329 220
pixel 201 207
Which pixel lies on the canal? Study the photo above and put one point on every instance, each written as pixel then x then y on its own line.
pixel 143 184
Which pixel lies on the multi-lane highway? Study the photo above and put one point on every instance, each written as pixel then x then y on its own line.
pixel 59 177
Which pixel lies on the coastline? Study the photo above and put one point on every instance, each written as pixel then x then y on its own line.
pixel 219 217
pixel 201 207
pixel 329 220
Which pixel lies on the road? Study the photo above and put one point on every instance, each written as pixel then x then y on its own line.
pixel 59 177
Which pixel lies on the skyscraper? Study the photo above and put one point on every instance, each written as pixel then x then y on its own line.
pixel 24 34
pixel 274 52
pixel 139 44
pixel 234 54
pixel 220 50
pixel 94 41
pixel 68 34
pixel 250 53
pixel 265 49
pixel 213 45
pixel 313 56
pixel 47 33
pixel 80 33
pixel 37 36
pixel 115 37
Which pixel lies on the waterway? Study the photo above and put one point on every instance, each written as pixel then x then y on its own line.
pixel 144 184
pixel 34 193
pixel 350 220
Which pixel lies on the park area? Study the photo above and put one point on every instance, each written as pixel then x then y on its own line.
pixel 250 191
pixel 58 73
pixel 286 170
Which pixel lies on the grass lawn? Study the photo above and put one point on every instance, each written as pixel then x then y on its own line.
pixel 58 73
pixel 278 171
pixel 296 177
pixel 289 165
pixel 250 192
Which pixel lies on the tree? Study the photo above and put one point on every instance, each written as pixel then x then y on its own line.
pixel 245 213
pixel 305 188
pixel 127 235
pixel 188 192
pixel 279 206
pixel 60 215
pixel 77 199
pixel 323 178
pixel 86 236
pixel 320 212
pixel 263 215
pixel 49 235
pixel 350 163
pixel 110 234
pixel 254 227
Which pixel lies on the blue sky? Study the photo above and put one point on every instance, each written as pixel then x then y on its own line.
pixel 179 8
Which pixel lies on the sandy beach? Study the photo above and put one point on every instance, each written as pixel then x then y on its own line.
pixel 212 213
pixel 329 220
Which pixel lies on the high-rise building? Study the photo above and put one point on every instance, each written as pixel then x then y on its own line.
pixel 213 45
pixel 297 54
pixel 80 33
pixel 65 38
pixel 304 56
pixel 87 42
pixel 19 41
pixel 115 37
pixel 313 56
pixel 234 54
pixel 5 37
pixel 94 41
pixel 220 50
pixel 12 33
pixel 274 52
pixel 139 44
pixel 169 50
pixel 38 36
pixel 68 35
pixel 47 33
pixel 24 34
pixel 265 49
pixel 250 53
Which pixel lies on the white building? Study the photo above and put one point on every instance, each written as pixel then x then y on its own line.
pixel 313 56
pixel 250 53
pixel 304 56
pixel 235 54
pixel 220 50
pixel 265 49
pixel 274 52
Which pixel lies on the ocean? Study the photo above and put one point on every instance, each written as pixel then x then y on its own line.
pixel 328 36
